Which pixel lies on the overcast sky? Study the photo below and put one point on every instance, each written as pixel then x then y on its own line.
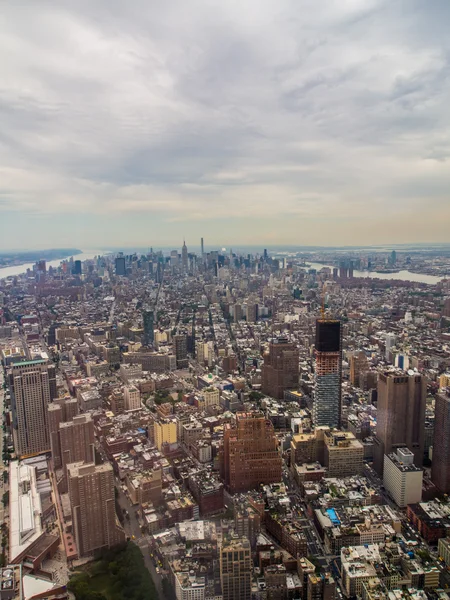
pixel 246 122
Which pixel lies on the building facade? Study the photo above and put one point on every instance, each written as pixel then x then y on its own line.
pixel 440 468
pixel 344 454
pixel 400 415
pixel 31 393
pixel 180 347
pixel 165 432
pixel 76 440
pixel 249 455
pixel 132 398
pixel 236 569
pixel 280 370
pixel 401 478
pixel 91 493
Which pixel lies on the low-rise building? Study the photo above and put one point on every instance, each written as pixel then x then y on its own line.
pixel 344 454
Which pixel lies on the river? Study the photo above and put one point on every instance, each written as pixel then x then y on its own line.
pixel 400 276
pixel 19 269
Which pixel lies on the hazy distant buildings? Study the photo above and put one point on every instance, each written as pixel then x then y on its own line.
pixel 280 371
pixel 249 454
pixel 120 266
pixel 446 311
pixel 343 271
pixel 76 267
pixel 400 415
pixel 328 374
pixel 184 258
pixel 251 311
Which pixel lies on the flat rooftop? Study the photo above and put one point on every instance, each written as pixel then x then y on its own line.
pixel 24 509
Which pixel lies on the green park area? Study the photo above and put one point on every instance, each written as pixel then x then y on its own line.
pixel 117 574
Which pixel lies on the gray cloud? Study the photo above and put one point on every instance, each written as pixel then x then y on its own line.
pixel 291 110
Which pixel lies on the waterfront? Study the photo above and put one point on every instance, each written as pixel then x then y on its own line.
pixel 400 276
pixel 20 269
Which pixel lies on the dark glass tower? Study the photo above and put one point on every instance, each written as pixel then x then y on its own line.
pixel 149 334
pixel 120 266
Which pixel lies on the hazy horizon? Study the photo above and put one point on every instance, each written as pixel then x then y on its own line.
pixel 287 122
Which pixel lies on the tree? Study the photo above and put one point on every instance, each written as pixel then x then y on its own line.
pixel 5 499
pixel 255 396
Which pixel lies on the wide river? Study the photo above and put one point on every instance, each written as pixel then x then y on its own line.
pixel 19 269
pixel 401 275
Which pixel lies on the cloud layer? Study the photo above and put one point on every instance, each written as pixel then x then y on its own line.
pixel 259 121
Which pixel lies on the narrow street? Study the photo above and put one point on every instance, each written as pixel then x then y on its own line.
pixel 133 531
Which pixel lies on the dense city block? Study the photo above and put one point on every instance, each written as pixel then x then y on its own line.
pixel 227 424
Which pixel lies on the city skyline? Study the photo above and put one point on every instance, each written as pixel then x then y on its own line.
pixel 287 123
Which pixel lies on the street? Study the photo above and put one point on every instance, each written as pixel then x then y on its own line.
pixel 132 528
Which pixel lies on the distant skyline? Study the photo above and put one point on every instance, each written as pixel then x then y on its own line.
pixel 261 123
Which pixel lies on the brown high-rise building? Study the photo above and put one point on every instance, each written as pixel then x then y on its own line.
pixel 440 469
pixel 358 366
pixel 55 417
pixel 400 415
pixel 249 454
pixel 280 370
pixel 180 347
pixel 321 587
pixel 446 311
pixel 76 442
pixel 32 384
pixel 91 493
pixel 236 569
pixel 59 411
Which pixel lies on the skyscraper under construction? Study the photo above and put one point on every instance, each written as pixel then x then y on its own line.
pixel 328 374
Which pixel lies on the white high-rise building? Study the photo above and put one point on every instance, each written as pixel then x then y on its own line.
pixel 401 478
pixel 132 398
